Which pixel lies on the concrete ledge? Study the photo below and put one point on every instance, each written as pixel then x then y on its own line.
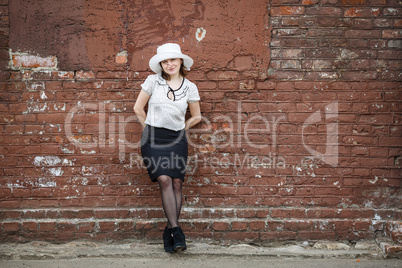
pixel 139 249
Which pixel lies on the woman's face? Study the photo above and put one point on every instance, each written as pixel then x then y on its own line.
pixel 171 66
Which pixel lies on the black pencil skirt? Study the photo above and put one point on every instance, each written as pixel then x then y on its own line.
pixel 164 152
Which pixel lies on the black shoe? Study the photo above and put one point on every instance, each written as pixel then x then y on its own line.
pixel 168 240
pixel 179 239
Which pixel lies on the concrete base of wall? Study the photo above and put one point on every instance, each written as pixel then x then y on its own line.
pixel 251 225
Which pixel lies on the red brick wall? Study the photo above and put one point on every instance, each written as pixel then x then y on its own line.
pixel 301 135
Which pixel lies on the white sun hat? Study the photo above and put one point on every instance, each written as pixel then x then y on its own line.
pixel 169 51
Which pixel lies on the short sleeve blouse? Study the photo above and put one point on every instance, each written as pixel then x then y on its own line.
pixel 164 112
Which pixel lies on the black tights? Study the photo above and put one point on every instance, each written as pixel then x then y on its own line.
pixel 171 198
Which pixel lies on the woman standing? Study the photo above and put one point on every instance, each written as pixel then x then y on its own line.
pixel 164 143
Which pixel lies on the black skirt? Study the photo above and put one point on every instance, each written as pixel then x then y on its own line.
pixel 164 152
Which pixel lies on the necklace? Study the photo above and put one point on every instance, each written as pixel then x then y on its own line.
pixel 171 92
pixel 175 84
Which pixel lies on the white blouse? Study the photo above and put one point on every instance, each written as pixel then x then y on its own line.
pixel 164 112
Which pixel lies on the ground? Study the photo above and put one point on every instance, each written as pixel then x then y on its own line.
pixel 199 254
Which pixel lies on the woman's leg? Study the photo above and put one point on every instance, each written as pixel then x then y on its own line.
pixel 178 235
pixel 168 200
pixel 177 188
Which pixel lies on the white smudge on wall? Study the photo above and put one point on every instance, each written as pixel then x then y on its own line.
pixel 43 95
pixel 56 171
pixel 46 160
pixel 200 34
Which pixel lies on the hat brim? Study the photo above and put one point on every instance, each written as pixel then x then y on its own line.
pixel 155 60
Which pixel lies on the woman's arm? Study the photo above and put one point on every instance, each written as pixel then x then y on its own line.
pixel 195 112
pixel 139 107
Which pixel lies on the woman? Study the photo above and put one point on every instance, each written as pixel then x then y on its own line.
pixel 164 142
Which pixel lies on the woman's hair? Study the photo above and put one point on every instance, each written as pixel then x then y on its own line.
pixel 183 72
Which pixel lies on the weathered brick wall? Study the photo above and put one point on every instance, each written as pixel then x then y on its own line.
pixel 301 135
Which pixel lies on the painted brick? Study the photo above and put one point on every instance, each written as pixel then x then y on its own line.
pixel 30 61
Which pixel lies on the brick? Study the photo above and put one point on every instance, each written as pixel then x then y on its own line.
pixel 287 11
pixel 125 226
pixel 221 75
pixel 30 226
pixel 378 2
pixel 280 2
pixel 392 34
pixel 238 226
pixel 290 21
pixel 85 75
pixel 376 119
pixel 390 141
pixel 392 11
pixel 107 226
pixel 220 226
pixel 78 214
pixel 290 64
pixel 11 226
pixel 325 32
pixel 112 214
pixel 359 76
pixel 363 23
pixel 121 57
pixel 362 12
pixel 328 11
pixel 362 33
pixel 42 192
pixel 144 226
pixel 66 227
pixel 5 192
pixel 299 225
pixel 310 2
pixel 5 215
pixel 353 2
pixel 383 23
pixel 47 226
pixel 207 85
pixel 322 64
pixel 86 227
pixel 257 225
pixel 10 203
pixel 22 193
pixel 298 43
